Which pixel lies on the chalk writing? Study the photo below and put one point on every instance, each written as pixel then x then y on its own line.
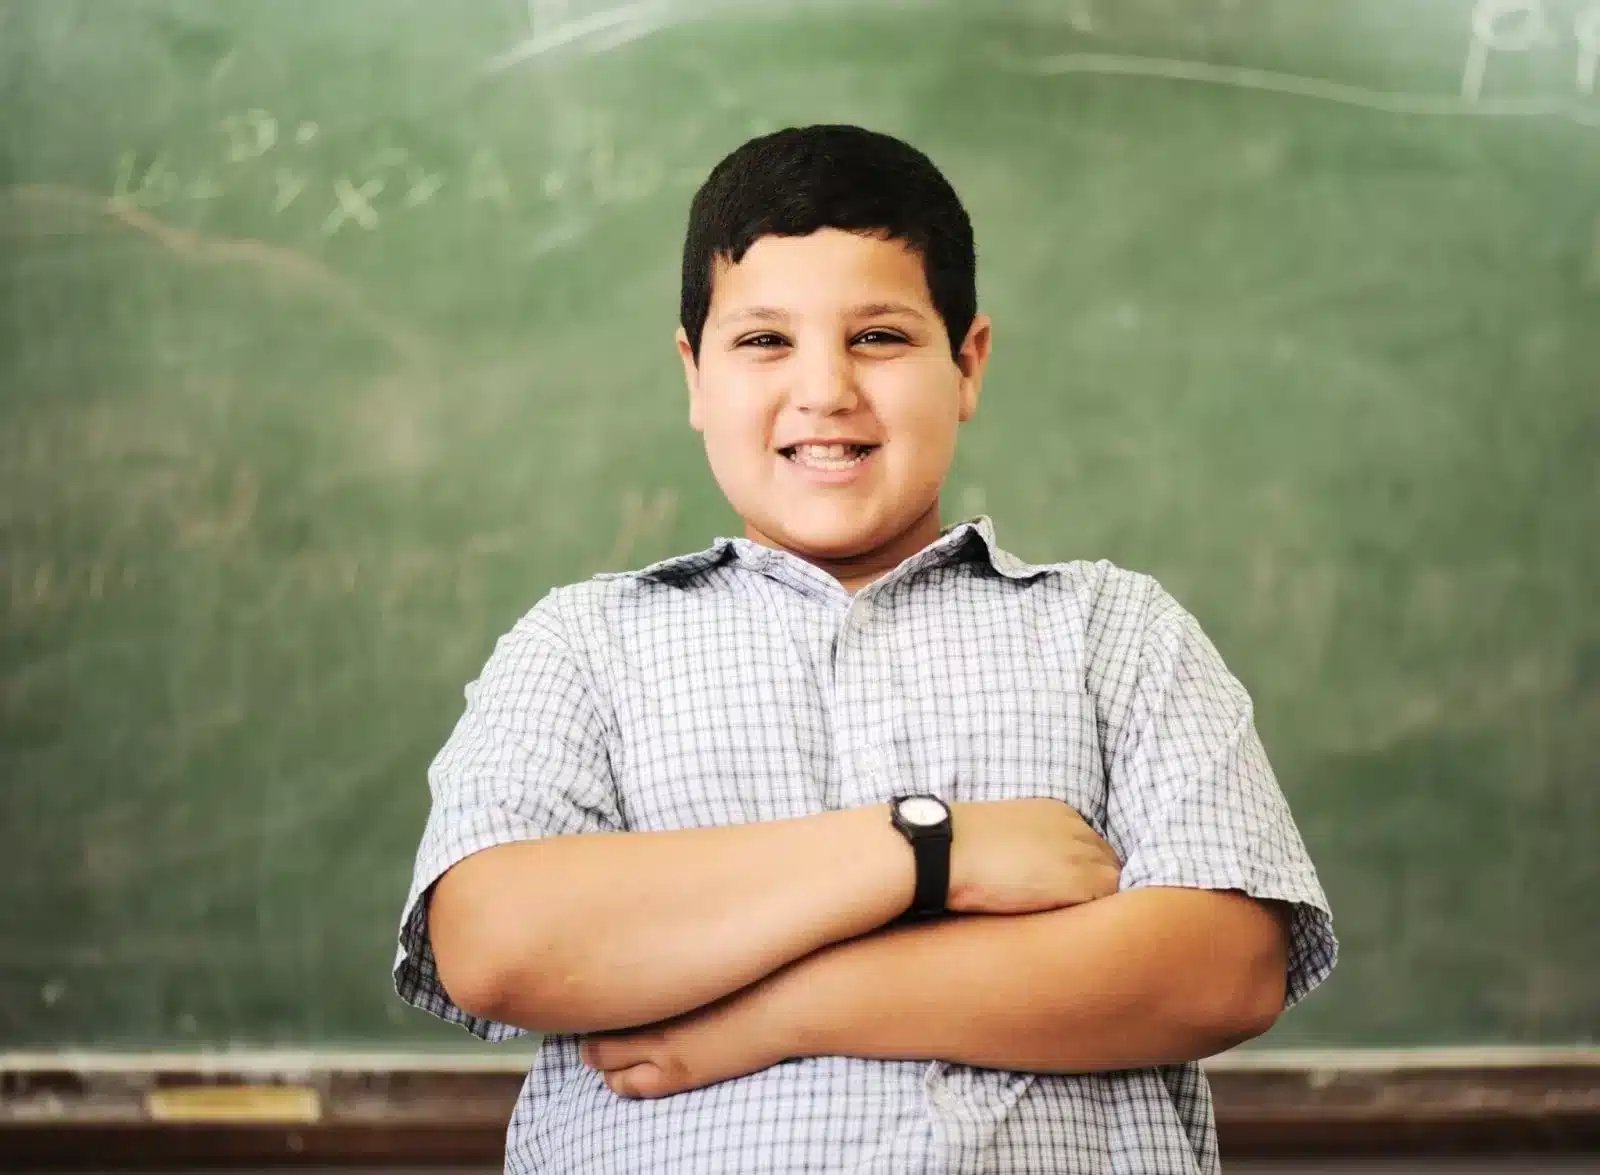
pixel 354 204
pixel 1587 31
pixel 223 67
pixel 289 185
pixel 1501 26
pixel 1494 27
pixel 261 152
pixel 421 186
pixel 1277 82
pixel 156 186
pixel 1520 26
pixel 632 19
pixel 46 586
pixel 255 135
pixel 250 135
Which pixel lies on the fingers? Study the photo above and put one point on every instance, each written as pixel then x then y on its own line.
pixel 613 1052
pixel 1089 878
pixel 1105 880
pixel 634 1066
pixel 650 1079
pixel 1084 833
pixel 638 1081
pixel 1025 855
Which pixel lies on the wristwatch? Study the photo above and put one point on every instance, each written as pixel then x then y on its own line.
pixel 925 822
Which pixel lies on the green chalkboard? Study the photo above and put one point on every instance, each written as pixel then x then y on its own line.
pixel 332 334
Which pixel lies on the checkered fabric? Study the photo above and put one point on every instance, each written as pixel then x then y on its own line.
pixel 742 684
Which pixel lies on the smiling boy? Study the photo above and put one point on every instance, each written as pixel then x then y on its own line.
pixel 855 844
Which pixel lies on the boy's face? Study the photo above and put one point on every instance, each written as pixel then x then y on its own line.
pixel 823 341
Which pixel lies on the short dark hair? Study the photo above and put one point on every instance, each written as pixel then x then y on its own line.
pixel 795 181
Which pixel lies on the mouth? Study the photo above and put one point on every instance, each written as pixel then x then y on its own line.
pixel 835 458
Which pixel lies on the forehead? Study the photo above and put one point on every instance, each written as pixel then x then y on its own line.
pixel 824 272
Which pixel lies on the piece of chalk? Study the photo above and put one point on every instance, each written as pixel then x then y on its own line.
pixel 234 1103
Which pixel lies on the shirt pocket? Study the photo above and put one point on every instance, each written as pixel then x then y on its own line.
pixel 1013 744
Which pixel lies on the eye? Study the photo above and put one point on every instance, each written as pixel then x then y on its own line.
pixel 765 340
pixel 879 337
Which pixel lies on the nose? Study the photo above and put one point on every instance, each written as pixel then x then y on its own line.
pixel 825 382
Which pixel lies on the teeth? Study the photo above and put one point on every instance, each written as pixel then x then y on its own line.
pixel 829 456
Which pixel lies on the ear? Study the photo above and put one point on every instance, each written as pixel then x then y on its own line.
pixel 972 359
pixel 691 377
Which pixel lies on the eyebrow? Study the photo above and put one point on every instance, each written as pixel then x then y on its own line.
pixel 875 309
pixel 763 313
pixel 865 310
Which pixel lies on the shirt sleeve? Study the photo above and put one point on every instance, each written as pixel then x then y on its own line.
pixel 526 760
pixel 1192 800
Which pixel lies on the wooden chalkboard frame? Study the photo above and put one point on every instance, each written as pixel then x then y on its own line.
pixel 69 1110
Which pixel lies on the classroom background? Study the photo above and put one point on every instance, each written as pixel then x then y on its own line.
pixel 332 334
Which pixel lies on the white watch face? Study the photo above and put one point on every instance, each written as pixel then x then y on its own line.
pixel 922 811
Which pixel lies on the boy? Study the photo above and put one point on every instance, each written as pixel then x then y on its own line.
pixel 855 845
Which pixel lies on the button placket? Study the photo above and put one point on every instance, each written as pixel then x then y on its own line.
pixel 858 734
pixel 848 682
pixel 878 762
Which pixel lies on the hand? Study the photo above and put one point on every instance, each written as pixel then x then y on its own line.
pixel 1025 856
pixel 739 1034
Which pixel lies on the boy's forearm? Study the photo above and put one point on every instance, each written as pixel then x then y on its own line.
pixel 586 933
pixel 1142 978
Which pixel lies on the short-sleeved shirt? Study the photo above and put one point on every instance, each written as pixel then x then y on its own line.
pixel 743 684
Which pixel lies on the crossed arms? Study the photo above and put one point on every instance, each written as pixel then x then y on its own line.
pixel 690 957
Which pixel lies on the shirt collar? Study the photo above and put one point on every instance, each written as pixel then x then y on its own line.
pixel 964 542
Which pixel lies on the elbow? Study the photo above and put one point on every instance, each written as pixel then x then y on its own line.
pixel 536 965
pixel 1261 985
pixel 486 979
pixel 522 979
pixel 1250 1003
pixel 1256 1009
pixel 505 992
pixel 471 966
pixel 474 987
pixel 1234 1014
pixel 486 971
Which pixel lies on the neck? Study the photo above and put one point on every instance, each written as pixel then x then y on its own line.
pixel 855 572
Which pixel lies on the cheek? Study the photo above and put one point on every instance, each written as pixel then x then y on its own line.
pixel 736 417
pixel 922 408
pixel 739 427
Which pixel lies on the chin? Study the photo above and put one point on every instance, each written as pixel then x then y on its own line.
pixel 826 538
pixel 835 548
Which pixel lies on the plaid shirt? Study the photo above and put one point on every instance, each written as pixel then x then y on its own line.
pixel 742 684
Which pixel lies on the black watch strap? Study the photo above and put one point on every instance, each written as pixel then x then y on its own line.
pixel 933 875
pixel 931 847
